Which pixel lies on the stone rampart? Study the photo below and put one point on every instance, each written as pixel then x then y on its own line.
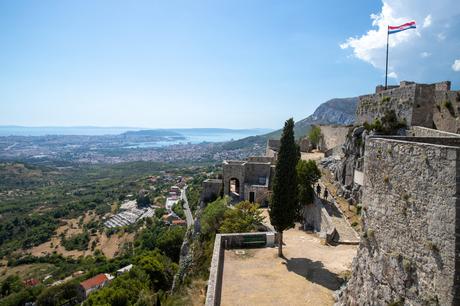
pixel 419 131
pixel 410 250
pixel 212 188
pixel 401 100
pixel 332 136
pixel 317 218
pixel 446 111
pixel 427 105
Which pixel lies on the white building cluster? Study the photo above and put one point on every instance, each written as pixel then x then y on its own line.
pixel 129 216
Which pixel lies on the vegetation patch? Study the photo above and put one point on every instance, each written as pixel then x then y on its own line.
pixel 76 242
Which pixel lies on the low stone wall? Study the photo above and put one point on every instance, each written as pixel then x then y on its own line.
pixel 420 131
pixel 214 290
pixel 222 242
pixel 317 217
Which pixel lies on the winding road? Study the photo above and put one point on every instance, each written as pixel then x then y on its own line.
pixel 188 212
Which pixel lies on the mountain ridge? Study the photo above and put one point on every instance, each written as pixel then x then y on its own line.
pixel 340 111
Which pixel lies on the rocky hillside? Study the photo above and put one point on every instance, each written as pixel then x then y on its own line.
pixel 335 111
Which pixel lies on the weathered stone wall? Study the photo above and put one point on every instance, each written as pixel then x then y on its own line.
pixel 211 189
pixel 419 131
pixel 427 105
pixel 317 218
pixel 261 194
pixel 422 112
pixel 409 252
pixel 401 100
pixel 446 111
pixel 255 171
pixel 333 136
pixel 261 159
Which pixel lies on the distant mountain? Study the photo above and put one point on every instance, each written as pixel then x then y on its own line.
pixel 153 133
pixel 335 111
pixel 204 131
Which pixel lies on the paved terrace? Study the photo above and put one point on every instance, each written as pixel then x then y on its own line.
pixel 308 275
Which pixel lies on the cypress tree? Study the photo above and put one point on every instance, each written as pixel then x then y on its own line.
pixel 284 200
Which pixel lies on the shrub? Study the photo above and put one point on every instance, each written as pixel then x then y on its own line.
pixel 389 124
pixel 314 135
pixel 246 217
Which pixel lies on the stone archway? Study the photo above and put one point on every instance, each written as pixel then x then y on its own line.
pixel 234 186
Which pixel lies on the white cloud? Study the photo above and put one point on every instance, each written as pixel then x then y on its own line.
pixel 393 75
pixel 425 54
pixel 427 21
pixel 434 20
pixel 456 65
pixel 369 46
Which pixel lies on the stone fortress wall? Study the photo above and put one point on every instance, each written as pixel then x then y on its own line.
pixel 332 136
pixel 419 131
pixel 411 215
pixel 426 105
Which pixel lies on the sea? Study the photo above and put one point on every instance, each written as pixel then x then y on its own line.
pixel 192 135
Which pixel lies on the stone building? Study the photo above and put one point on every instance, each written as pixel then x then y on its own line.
pixel 410 250
pixel 249 179
pixel 273 146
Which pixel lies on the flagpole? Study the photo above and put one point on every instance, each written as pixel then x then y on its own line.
pixel 386 65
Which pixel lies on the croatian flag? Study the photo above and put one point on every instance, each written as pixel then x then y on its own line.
pixel 403 27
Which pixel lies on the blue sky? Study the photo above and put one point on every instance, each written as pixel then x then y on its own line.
pixel 234 64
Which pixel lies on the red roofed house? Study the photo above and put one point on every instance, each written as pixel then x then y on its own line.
pixel 179 222
pixel 31 282
pixel 94 283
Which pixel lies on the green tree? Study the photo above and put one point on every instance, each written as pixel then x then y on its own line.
pixel 314 135
pixel 59 295
pixel 11 284
pixel 170 241
pixel 307 175
pixel 284 202
pixel 178 209
pixel 143 199
pixel 213 216
pixel 245 217
pixel 123 290
pixel 159 212
pixel 158 267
